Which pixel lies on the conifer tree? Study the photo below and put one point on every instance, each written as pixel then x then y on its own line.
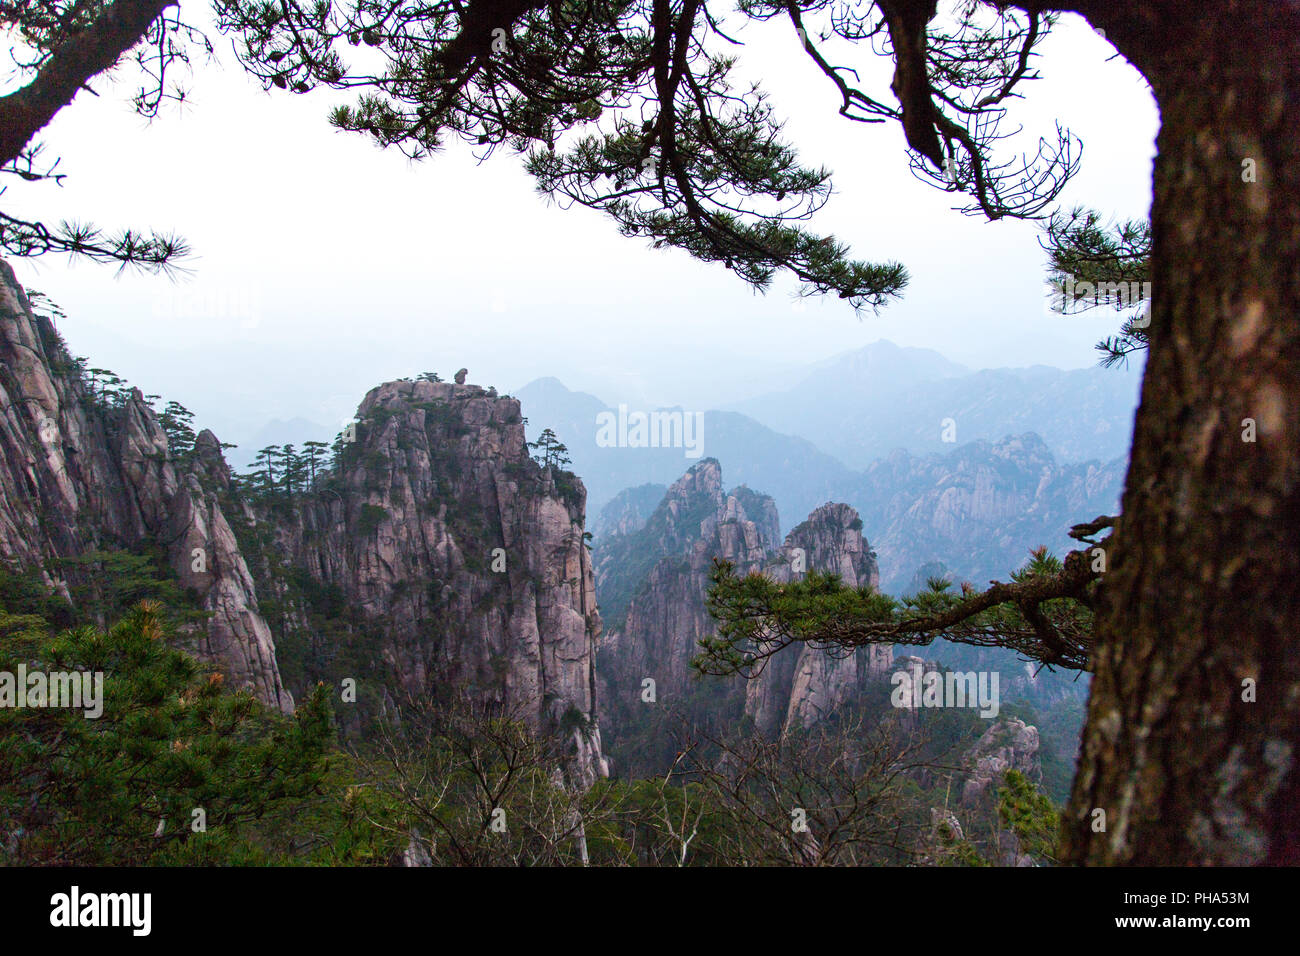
pixel 177 421
pixel 270 457
pixel 122 789
pixel 553 452
pixel 294 469
pixel 315 453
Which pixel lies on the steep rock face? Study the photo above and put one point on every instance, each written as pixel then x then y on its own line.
pixel 59 461
pixel 666 612
pixel 460 561
pixel 801 684
pixel 466 557
pixel 78 474
pixel 687 513
pixel 237 635
pixel 665 617
pixel 629 510
pixel 915 667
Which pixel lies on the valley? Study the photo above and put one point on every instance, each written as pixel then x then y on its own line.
pixel 429 566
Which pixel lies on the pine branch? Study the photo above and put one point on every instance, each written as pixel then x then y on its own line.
pixel 1044 612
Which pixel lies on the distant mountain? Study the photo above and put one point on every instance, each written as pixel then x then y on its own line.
pixel 888 365
pixel 978 509
pixel 792 470
pixel 865 404
pixel 627 512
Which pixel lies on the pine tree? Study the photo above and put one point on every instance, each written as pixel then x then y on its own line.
pixel 294 469
pixel 270 457
pixel 1113 263
pixel 176 420
pixel 553 451
pixel 123 789
pixel 315 454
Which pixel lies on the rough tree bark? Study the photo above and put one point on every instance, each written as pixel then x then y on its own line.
pixel 26 111
pixel 1203 591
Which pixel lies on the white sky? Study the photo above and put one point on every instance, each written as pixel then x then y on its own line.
pixel 324 266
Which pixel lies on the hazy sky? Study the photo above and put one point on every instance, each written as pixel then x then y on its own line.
pixel 324 266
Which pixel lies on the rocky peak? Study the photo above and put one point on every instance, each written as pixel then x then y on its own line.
pixel 691 500
pixel 462 559
pixel 434 557
pixel 652 585
pixel 209 461
pixel 832 538
pixel 802 684
pixel 696 521
pixel 1008 744
pixel 666 613
pixel 78 473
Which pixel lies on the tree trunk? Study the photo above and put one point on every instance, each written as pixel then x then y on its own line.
pixel 73 64
pixel 1203 593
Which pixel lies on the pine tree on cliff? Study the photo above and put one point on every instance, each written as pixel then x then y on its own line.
pixel 269 457
pixel 178 422
pixel 554 453
pixel 314 452
pixel 294 470
pixel 1199 593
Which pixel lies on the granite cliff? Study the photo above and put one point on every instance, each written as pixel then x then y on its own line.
pixel 653 581
pixel 802 684
pixel 452 561
pixel 82 471
pixel 432 557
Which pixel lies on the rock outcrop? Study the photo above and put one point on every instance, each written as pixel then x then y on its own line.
pixel 660 616
pixel 1009 744
pixel 434 557
pixel 653 586
pixel 80 473
pixel 461 560
pixel 802 684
